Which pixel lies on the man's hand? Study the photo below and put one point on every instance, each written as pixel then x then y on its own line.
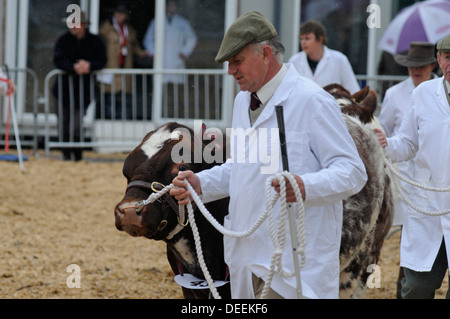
pixel 82 67
pixel 381 138
pixel 290 194
pixel 180 192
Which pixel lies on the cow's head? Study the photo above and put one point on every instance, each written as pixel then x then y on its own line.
pixel 362 104
pixel 148 169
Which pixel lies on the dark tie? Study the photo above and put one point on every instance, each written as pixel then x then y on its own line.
pixel 255 103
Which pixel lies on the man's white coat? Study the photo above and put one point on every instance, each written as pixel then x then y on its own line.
pixel 321 151
pixel 425 134
pixel 334 67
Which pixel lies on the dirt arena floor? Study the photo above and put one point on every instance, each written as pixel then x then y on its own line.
pixel 57 214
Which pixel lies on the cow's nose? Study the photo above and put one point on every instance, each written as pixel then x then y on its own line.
pixel 128 215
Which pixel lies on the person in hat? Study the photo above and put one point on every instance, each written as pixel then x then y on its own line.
pixel 77 52
pixel 424 136
pixel 322 157
pixel 122 46
pixel 321 64
pixel 420 62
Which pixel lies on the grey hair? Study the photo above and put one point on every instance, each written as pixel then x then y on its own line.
pixel 276 46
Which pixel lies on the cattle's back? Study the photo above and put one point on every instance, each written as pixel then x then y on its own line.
pixel 367 215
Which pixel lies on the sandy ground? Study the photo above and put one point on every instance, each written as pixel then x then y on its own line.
pixel 57 214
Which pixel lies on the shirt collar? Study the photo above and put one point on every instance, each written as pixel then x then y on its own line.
pixel 447 85
pixel 268 90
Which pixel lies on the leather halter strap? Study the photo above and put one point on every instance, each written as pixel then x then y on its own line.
pixel 155 187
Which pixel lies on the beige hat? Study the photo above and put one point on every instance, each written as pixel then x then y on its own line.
pixel 419 54
pixel 252 27
pixel 444 44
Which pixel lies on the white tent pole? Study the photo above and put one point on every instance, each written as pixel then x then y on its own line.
pixel 16 132
pixel 372 53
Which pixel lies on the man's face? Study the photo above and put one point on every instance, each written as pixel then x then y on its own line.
pixel 444 63
pixel 310 44
pixel 249 68
pixel 121 17
pixel 80 32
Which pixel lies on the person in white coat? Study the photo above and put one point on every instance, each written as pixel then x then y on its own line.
pixel 322 157
pixel 321 64
pixel 425 135
pixel 179 41
pixel 420 61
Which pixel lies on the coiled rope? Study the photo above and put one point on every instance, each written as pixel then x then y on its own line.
pixel 278 232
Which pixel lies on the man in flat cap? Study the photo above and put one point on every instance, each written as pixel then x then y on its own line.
pixel 425 136
pixel 322 155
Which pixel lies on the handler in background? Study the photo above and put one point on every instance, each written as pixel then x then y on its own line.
pixel 425 135
pixel 321 64
pixel 322 156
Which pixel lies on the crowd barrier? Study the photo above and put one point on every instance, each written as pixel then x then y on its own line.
pixel 118 107
pixel 26 105
pixel 113 109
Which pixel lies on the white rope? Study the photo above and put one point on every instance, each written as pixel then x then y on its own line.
pixel 403 196
pixel 278 236
pixel 277 233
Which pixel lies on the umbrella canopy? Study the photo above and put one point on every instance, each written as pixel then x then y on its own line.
pixel 427 21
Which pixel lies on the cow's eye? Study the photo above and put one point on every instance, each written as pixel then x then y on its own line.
pixel 182 168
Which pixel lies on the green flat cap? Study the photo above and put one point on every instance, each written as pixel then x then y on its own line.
pixel 444 44
pixel 252 27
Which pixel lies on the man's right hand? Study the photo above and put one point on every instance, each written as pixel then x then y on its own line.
pixel 180 191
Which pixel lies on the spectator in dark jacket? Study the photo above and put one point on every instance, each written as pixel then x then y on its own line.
pixel 77 52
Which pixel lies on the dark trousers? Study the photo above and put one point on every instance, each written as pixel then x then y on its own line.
pixel 423 285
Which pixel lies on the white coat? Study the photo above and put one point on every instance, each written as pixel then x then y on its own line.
pixel 321 151
pixel 179 37
pixel 334 67
pixel 395 105
pixel 425 134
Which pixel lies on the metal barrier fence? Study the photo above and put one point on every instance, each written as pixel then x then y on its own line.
pixel 113 109
pixel 23 99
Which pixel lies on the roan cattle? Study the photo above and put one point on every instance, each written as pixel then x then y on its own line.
pixel 367 215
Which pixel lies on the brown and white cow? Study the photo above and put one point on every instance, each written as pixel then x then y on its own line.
pixel 367 215
pixel 148 168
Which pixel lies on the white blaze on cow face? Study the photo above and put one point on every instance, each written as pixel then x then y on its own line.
pixel 156 141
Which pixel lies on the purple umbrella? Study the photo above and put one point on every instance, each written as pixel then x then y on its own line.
pixel 427 21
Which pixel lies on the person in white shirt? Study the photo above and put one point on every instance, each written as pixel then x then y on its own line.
pixel 179 41
pixel 425 136
pixel 321 64
pixel 322 155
